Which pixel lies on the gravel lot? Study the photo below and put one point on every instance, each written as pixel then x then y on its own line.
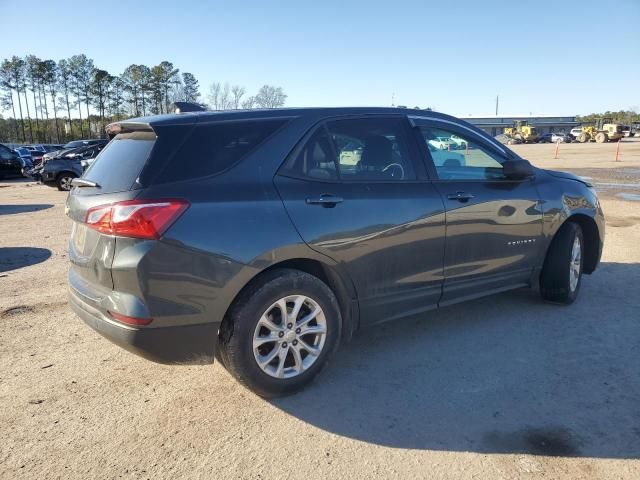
pixel 502 387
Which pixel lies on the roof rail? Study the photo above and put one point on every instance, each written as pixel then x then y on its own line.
pixel 182 107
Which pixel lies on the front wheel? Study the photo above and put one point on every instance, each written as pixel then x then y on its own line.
pixel 280 332
pixel 562 271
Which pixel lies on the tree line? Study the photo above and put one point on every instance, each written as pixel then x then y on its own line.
pixel 625 117
pixel 52 102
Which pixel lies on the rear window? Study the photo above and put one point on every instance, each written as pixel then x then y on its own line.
pixel 211 149
pixel 119 164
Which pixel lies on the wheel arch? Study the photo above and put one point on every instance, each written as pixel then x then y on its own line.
pixel 341 287
pixel 62 172
pixel 591 236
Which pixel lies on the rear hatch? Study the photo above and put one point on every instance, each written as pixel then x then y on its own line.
pixel 115 172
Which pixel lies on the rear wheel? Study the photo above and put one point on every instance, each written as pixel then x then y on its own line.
pixel 562 271
pixel 64 181
pixel 280 332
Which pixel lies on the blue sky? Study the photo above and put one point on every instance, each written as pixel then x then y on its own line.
pixel 569 57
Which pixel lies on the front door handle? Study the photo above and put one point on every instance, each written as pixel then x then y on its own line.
pixel 324 200
pixel 460 196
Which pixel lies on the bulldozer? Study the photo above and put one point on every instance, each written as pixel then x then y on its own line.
pixel 522 131
pixel 604 130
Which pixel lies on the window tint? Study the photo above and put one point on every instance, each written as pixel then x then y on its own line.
pixel 457 157
pixel 211 149
pixel 317 158
pixel 364 149
pixel 120 162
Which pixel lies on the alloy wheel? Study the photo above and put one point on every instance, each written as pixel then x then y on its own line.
pixel 65 183
pixel 289 336
pixel 575 265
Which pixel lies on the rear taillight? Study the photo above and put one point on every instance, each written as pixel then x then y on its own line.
pixel 136 321
pixel 146 219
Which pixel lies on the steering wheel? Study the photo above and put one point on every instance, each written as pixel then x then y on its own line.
pixel 394 168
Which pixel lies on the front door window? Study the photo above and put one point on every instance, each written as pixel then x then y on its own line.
pixel 459 157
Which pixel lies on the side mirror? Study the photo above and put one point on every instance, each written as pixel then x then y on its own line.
pixel 517 169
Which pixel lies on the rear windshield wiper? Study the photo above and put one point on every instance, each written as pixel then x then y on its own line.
pixel 81 182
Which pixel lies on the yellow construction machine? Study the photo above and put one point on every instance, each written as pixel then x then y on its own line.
pixel 522 131
pixel 604 130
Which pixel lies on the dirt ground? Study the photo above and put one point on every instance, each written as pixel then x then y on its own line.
pixel 499 388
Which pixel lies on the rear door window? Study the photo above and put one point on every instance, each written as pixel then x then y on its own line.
pixel 357 150
pixel 316 159
pixel 118 165
pixel 372 149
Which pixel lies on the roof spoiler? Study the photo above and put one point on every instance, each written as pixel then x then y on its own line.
pixel 115 128
pixel 184 107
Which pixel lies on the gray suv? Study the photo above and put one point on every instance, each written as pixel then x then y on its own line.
pixel 263 238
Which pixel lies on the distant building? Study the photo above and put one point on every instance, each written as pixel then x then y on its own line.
pixel 545 124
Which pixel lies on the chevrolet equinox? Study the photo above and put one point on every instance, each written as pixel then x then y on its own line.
pixel 263 238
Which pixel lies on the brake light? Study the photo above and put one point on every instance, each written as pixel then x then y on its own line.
pixel 131 320
pixel 146 219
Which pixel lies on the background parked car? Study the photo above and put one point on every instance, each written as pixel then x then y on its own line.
pixel 10 163
pixel 73 145
pixel 24 152
pixel 575 132
pixel 38 151
pixel 554 138
pixel 53 147
pixel 443 143
pixel 460 142
pixel 86 143
pixel 61 170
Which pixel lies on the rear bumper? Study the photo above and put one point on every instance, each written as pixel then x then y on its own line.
pixel 187 345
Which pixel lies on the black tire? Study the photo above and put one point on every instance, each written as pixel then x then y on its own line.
pixel 555 279
pixel 601 137
pixel 64 181
pixel 237 332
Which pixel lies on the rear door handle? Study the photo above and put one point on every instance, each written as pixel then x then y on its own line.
pixel 327 201
pixel 460 196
